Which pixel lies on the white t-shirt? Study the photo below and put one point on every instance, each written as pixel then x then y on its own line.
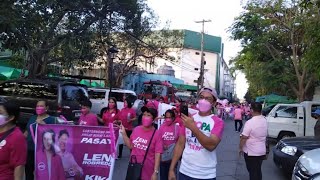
pixel 197 162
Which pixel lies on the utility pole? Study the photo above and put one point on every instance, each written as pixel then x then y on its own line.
pixel 201 77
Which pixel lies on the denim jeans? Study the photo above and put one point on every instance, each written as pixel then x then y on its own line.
pixel 185 177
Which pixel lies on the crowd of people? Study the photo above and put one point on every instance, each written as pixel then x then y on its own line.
pixel 191 139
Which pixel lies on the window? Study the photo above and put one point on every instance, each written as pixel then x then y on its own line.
pixel 287 112
pixel 7 89
pixel 74 93
pixel 119 95
pixel 314 107
pixel 97 94
pixel 36 90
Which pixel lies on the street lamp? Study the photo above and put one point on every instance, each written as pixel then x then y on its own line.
pixel 112 54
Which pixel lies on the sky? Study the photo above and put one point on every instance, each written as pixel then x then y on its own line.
pixel 182 14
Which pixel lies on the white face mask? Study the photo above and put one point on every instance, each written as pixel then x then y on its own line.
pixel 3 119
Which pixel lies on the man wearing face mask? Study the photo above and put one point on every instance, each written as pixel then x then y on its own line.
pixel 198 141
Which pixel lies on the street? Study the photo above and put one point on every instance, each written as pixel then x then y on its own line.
pixel 230 167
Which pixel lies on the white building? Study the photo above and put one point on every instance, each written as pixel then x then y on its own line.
pixel 187 64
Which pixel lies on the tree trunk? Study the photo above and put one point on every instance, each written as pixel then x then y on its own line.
pixel 37 65
pixel 301 95
pixel 106 81
pixel 118 81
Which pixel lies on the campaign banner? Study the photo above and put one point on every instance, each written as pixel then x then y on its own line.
pixel 163 107
pixel 75 152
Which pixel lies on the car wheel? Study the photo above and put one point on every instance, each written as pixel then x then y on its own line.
pixel 283 135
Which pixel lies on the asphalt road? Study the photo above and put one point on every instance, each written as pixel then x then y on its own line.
pixel 230 166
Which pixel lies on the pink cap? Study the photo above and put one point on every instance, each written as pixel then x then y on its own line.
pixel 212 91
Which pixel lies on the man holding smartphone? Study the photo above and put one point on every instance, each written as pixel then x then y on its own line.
pixel 200 135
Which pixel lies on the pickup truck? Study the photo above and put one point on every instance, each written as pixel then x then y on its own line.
pixel 292 120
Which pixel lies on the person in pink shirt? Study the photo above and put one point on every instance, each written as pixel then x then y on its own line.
pixel 153 102
pixel 49 163
pixel 198 140
pixel 238 112
pixel 126 117
pixel 253 142
pixel 87 118
pixel 109 114
pixel 13 146
pixel 247 111
pixel 169 132
pixel 139 141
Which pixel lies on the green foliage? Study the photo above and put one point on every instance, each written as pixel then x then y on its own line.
pixel 63 32
pixel 280 41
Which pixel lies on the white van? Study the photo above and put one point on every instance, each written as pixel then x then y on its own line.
pixel 99 98
pixel 292 120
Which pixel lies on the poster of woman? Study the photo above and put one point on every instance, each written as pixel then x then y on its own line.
pixel 48 162
pixel 75 152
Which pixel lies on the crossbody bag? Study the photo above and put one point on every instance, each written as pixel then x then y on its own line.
pixel 134 168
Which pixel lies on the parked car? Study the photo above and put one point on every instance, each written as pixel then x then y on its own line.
pixel 308 166
pixel 99 98
pixel 287 152
pixel 292 120
pixel 266 110
pixel 63 97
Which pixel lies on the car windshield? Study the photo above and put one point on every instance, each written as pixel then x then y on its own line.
pixel 156 89
pixel 74 93
pixel 97 94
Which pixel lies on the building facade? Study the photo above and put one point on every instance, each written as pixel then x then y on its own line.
pixel 187 64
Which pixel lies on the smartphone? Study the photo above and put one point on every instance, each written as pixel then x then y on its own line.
pixel 184 110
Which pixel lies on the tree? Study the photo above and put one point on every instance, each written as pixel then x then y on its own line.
pixel 62 31
pixel 143 48
pixel 279 46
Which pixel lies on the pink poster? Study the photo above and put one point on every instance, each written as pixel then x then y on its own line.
pixel 75 152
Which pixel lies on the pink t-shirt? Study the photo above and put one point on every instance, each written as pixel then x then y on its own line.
pixel 238 114
pixel 153 104
pixel 169 133
pixel 179 121
pixel 256 129
pixel 13 153
pixel 123 116
pixel 88 120
pixel 197 162
pixel 140 139
pixel 109 117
